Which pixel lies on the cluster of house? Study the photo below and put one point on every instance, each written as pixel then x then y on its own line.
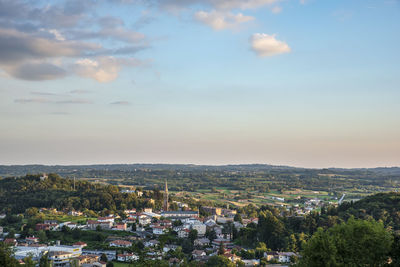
pixel 149 226
pixel 309 205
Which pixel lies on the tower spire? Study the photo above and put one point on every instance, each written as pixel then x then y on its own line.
pixel 165 206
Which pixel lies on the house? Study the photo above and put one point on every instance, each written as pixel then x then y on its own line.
pixel 282 257
pixel 285 257
pixel 148 210
pixel 109 219
pixel 2 216
pixel 159 230
pixel 216 243
pixel 60 258
pixel 120 244
pixel 92 224
pixel 151 243
pixel 168 247
pixel 228 212
pixel 127 257
pixel 201 242
pixel 167 223
pixel 200 228
pixel 88 259
pixel 184 233
pixel 198 253
pixel 210 223
pixel 10 241
pixel 144 220
pixel 95 264
pixel 46 226
pixel 180 214
pixel 79 244
pixel 224 220
pixel 252 262
pixel 111 254
pixel 232 257
pixel 129 212
pixel 130 220
pixel 211 210
pixel 71 225
pixel 120 226
pixel 75 213
pixel 31 240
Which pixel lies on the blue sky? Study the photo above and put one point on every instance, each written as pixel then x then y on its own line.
pixel 307 83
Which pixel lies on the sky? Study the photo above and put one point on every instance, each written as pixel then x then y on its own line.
pixel 308 83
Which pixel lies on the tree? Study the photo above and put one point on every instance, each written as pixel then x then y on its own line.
pixel 6 256
pixel 260 249
pixel 187 246
pixel 221 249
pixel 44 261
pixel 42 236
pixel 270 230
pixel 30 212
pixel 292 244
pixel 110 264
pixel 193 235
pixel 238 218
pixel 103 258
pixel 29 262
pixel 211 234
pixel 355 243
pixel 219 261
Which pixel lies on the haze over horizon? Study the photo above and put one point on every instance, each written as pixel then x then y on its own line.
pixel 305 83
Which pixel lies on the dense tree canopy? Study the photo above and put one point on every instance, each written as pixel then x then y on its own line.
pixel 355 243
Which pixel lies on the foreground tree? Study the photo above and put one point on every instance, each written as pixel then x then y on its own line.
pixel 355 243
pixel 6 257
pixel 219 261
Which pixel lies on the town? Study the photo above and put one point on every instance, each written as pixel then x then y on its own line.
pixel 49 220
pixel 145 234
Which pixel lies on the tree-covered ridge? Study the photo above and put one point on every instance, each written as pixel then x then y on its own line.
pixel 18 194
pixel 382 206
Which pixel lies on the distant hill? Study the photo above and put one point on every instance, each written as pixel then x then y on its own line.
pixel 19 170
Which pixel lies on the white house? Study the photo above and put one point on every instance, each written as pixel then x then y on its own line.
pixel 151 243
pixel 158 230
pixel 200 228
pixel 120 243
pixel 127 257
pixel 109 219
pixel 144 220
pixel 202 242
pixel 184 233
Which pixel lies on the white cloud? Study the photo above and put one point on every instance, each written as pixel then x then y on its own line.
pixel 103 69
pixel 222 20
pixel 266 45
